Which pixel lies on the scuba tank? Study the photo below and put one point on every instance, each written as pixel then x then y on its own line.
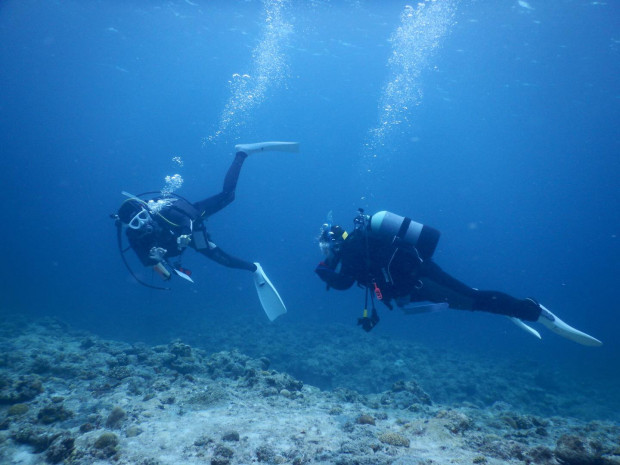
pixel 386 225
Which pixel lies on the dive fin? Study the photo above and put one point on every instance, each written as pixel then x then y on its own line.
pixel 424 307
pixel 556 325
pixel 267 294
pixel 292 147
pixel 525 327
pixel 183 275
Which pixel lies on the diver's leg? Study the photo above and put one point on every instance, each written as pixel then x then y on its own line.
pixel 218 255
pixel 216 202
pixel 439 286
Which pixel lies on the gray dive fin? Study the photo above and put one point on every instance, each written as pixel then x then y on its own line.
pixel 267 294
pixel 292 147
pixel 423 307
pixel 524 327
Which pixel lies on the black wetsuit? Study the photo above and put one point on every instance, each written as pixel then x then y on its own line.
pixel 184 218
pixel 402 276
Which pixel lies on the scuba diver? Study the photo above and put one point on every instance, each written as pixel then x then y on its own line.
pixel 160 227
pixel 391 257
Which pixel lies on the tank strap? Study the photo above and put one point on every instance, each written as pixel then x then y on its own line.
pixel 188 210
pixel 402 231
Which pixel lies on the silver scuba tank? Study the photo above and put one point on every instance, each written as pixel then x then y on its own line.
pixel 389 226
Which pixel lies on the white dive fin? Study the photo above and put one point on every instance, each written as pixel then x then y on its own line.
pixel 525 327
pixel 183 275
pixel 292 147
pixel 556 325
pixel 267 294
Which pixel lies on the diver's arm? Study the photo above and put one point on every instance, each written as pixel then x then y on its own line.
pixel 334 279
pixel 141 247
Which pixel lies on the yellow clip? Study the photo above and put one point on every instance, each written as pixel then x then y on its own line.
pixel 365 313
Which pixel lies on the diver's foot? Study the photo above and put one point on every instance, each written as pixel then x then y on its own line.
pixel 553 323
pixel 249 149
pixel 259 275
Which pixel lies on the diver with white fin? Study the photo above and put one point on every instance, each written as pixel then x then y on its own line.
pixel 390 256
pixel 160 227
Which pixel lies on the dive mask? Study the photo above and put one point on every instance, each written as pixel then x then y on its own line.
pixel 331 239
pixel 140 219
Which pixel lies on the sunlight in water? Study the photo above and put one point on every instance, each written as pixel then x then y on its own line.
pixel 268 70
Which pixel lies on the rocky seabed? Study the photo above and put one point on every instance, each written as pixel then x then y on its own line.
pixel 70 397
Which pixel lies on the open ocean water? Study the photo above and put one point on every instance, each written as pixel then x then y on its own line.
pixel 495 122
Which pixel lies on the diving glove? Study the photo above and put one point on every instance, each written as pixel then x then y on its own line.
pixel 183 241
pixel 157 253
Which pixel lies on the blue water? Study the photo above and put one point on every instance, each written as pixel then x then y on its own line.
pixel 503 134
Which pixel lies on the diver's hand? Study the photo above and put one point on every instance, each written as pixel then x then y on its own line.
pixel 183 241
pixel 157 253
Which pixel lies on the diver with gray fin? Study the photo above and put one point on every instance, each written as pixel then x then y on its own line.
pixel 390 256
pixel 160 227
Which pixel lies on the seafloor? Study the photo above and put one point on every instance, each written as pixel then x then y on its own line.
pixel 67 396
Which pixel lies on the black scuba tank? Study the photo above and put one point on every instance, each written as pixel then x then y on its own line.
pixel 389 226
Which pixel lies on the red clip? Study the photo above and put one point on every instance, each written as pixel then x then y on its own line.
pixel 378 292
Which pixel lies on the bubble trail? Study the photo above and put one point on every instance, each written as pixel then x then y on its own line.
pixel 268 70
pixel 418 36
